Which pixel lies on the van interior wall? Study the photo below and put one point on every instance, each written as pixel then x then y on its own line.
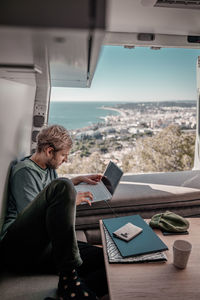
pixel 16 110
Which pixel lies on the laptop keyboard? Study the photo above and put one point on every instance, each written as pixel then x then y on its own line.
pixel 98 191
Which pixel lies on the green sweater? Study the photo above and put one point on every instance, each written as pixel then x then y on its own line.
pixel 26 181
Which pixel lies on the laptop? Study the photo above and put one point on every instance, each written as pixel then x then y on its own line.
pixel 103 190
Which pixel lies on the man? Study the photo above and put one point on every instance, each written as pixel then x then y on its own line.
pixel 39 229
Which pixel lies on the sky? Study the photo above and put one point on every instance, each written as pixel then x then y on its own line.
pixel 138 74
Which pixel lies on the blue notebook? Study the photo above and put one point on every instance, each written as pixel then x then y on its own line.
pixel 146 242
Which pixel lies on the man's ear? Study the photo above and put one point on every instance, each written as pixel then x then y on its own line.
pixel 49 150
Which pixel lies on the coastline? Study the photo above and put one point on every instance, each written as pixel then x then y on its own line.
pixel 104 118
pixel 122 113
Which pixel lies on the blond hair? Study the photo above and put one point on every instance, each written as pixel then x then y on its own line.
pixel 55 136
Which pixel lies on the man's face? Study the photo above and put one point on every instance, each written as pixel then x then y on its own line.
pixel 58 158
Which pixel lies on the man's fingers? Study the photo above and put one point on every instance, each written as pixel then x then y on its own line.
pixel 88 195
pixel 88 201
pixel 94 179
pixel 91 181
pixel 85 196
pixel 97 177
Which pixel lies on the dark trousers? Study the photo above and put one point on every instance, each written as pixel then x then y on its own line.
pixel 43 238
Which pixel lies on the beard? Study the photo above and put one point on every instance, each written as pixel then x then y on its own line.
pixel 52 163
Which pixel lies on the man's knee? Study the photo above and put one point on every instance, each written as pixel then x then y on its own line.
pixel 62 181
pixel 63 187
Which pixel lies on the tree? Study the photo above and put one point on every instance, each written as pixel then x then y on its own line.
pixel 168 151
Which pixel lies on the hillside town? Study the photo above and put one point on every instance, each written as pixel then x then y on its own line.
pixel 117 135
pixel 143 118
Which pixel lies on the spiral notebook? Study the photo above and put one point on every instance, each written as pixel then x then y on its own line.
pixel 115 257
pixel 146 242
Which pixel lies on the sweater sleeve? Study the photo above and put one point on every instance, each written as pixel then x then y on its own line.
pixel 24 188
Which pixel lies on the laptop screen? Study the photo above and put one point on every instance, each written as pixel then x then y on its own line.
pixel 112 177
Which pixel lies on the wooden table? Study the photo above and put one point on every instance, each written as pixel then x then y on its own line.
pixel 157 280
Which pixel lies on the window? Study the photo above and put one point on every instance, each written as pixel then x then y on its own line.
pixel 139 112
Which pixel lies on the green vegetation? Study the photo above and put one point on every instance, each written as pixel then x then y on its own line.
pixel 167 151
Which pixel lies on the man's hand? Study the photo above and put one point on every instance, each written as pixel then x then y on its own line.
pixel 90 179
pixel 84 197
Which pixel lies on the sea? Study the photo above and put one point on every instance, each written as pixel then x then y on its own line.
pixel 75 115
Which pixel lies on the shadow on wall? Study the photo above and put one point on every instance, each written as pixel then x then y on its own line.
pixel 21 142
pixel 5 196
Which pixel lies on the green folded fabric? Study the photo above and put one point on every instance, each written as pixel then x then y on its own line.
pixel 170 222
